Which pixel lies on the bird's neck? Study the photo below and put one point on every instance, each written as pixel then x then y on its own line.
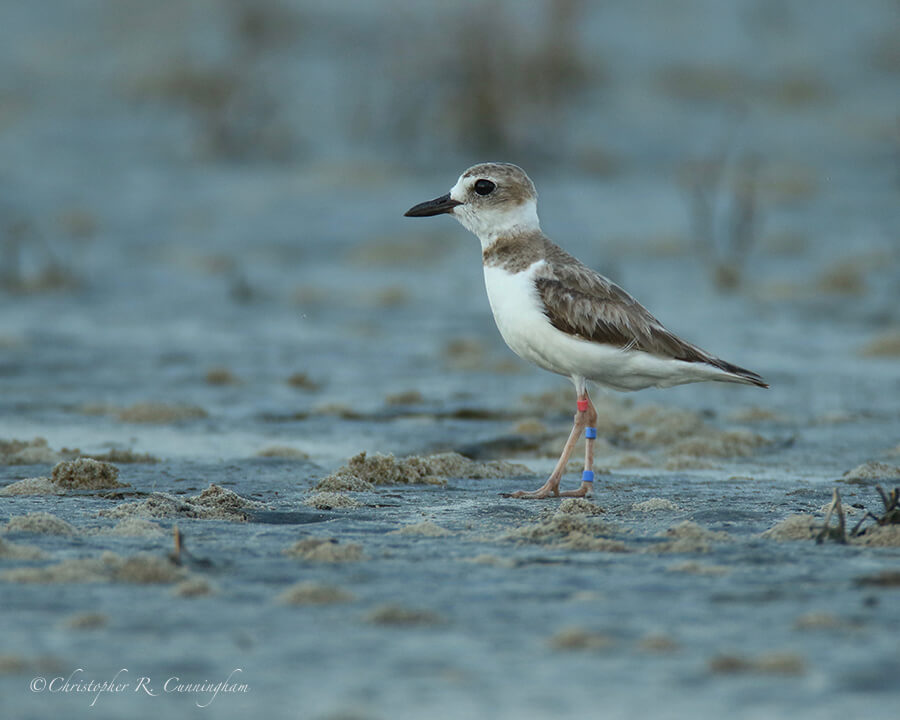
pixel 516 252
pixel 491 227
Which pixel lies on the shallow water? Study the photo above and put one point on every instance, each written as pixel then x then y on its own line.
pixel 169 264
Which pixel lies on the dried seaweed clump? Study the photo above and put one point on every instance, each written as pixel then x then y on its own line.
pixel 214 503
pixel 363 472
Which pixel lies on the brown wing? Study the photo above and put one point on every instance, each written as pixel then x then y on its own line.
pixel 583 303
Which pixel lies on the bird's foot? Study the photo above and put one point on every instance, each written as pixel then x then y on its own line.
pixel 580 492
pixel 548 489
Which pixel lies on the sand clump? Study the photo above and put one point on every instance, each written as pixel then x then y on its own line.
pixel 688 537
pixel 400 616
pixel 134 527
pixel 426 528
pixel 124 457
pixel 809 527
pixel 633 460
pixel 579 506
pixel 193 587
pixel 794 527
pixel 655 505
pixel 16 551
pixel 363 472
pixel 885 345
pixel 579 638
pixel 109 567
pixel 569 531
pixel 33 486
pixel 684 434
pixel 159 413
pixel 39 523
pixel 872 471
pixel 86 621
pixel 679 463
pixel 33 452
pixel 719 443
pixel 214 503
pixel 755 414
pixel 283 452
pixel 492 560
pixel 879 536
pixel 767 664
pixel 80 474
pixel 657 425
pixel 821 621
pixel 309 593
pixel 331 501
pixel 86 474
pixel 659 643
pixel 326 550
pixel 695 568
pixel 885 578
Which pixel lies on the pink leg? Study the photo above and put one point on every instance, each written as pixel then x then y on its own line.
pixel 582 419
pixel 590 421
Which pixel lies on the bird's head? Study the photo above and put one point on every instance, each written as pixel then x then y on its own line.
pixel 490 199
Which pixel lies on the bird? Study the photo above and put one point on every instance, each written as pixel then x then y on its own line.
pixel 561 315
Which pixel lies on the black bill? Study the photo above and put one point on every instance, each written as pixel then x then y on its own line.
pixel 443 204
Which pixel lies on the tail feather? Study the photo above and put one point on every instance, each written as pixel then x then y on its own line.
pixel 738 374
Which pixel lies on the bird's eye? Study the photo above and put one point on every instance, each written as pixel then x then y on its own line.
pixel 484 187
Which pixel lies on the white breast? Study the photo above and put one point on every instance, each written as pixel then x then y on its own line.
pixel 518 312
pixel 520 318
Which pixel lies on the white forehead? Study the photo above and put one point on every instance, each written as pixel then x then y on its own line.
pixel 458 191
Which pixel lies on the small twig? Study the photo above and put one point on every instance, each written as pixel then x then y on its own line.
pixel 838 534
pixel 891 515
pixel 175 556
pixel 869 514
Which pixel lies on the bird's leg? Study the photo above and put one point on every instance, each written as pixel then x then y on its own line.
pixel 586 414
pixel 590 434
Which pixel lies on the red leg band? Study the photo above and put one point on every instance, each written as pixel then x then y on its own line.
pixel 582 405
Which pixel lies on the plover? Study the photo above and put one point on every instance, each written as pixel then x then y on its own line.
pixel 561 315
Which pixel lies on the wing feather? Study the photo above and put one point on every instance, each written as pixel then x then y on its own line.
pixel 583 303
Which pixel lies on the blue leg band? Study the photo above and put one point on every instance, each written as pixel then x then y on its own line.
pixel 587 476
pixel 590 433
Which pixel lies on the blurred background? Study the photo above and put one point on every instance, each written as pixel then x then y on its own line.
pixel 201 202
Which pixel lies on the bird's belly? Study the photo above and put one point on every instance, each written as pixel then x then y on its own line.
pixel 520 318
